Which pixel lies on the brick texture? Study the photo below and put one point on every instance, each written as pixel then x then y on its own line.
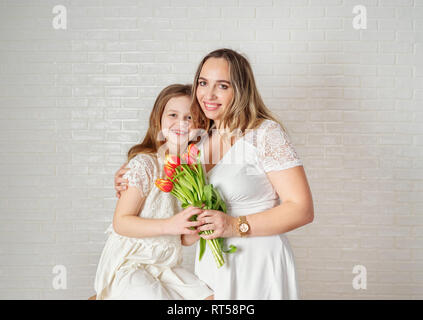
pixel 73 101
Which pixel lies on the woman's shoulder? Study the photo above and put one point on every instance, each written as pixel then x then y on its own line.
pixel 268 124
pixel 269 129
pixel 263 125
pixel 263 129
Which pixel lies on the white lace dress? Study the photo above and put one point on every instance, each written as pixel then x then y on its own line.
pixel 147 268
pixel 263 267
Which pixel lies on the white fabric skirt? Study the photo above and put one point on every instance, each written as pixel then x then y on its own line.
pixel 138 269
pixel 263 268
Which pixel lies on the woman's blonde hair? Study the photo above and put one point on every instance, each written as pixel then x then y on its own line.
pixel 247 109
pixel 152 142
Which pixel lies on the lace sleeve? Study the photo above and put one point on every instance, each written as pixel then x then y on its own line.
pixel 141 173
pixel 275 149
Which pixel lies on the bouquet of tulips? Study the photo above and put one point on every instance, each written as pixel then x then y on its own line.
pixel 186 181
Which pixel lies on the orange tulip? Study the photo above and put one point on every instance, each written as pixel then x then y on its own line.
pixel 169 170
pixel 164 185
pixel 173 161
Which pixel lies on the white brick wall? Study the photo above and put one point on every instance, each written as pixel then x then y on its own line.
pixel 73 101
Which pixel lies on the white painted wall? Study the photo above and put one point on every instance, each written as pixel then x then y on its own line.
pixel 73 101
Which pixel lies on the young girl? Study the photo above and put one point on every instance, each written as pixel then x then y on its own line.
pixel 142 256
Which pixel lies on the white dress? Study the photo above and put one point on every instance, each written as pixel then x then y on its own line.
pixel 263 267
pixel 147 268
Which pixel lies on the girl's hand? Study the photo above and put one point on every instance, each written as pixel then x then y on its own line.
pixel 224 225
pixel 120 183
pixel 180 223
pixel 189 239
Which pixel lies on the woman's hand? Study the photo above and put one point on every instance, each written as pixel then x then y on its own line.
pixel 120 183
pixel 180 223
pixel 224 225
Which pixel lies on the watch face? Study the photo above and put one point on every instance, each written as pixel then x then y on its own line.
pixel 243 227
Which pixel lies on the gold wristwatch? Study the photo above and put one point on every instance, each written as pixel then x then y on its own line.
pixel 243 226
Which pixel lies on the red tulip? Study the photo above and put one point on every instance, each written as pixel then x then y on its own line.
pixel 193 150
pixel 173 161
pixel 169 170
pixel 188 159
pixel 164 185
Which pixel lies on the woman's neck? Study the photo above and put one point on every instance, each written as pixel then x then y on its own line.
pixel 216 123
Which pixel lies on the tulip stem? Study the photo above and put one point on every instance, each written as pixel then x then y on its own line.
pixel 215 248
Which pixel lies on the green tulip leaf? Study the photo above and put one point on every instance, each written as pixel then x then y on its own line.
pixel 197 204
pixel 208 193
pixel 185 205
pixel 231 249
pixel 202 248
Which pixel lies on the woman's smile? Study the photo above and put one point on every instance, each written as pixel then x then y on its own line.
pixel 210 106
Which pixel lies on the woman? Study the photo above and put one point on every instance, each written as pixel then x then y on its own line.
pixel 257 171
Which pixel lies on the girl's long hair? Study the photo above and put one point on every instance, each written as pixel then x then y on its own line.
pixel 154 138
pixel 247 109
